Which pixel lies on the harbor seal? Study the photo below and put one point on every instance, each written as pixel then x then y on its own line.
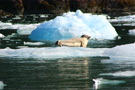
pixel 74 42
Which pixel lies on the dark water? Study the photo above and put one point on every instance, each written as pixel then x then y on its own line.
pixel 63 74
pixel 68 73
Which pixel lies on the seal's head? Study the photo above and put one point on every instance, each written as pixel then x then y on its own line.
pixel 86 36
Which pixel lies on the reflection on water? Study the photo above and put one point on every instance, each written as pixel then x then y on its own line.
pixel 61 74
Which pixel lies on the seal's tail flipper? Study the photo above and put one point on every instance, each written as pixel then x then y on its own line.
pixel 56 44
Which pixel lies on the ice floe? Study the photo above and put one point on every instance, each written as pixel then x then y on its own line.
pixel 122 51
pixel 5 25
pixel 100 81
pixel 1 35
pixel 120 74
pixel 118 52
pixel 74 24
pixel 22 29
pixel 52 52
pixel 124 18
pixel 131 32
pixel 25 29
pixel 34 43
pixel 2 85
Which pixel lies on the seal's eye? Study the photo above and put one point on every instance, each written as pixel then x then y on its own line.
pixel 83 36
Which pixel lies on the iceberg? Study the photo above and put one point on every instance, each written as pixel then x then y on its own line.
pixel 72 25
pixel 122 51
pixel 52 52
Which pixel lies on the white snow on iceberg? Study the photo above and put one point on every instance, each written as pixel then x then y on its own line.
pixel 122 51
pixel 71 25
pixel 51 52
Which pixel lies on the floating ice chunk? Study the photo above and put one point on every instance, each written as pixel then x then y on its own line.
pixel 129 18
pixel 71 25
pixel 21 28
pixel 22 47
pixel 52 52
pixel 2 85
pixel 1 35
pixel 25 29
pixel 100 81
pixel 5 25
pixel 132 32
pixel 105 81
pixel 43 16
pixel 120 74
pixel 33 43
pixel 122 51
